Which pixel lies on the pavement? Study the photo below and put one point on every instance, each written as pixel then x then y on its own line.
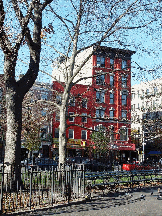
pixel 139 202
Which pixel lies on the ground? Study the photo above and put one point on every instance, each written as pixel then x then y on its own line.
pixel 139 202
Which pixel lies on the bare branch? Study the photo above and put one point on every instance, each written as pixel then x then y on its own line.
pixel 62 20
pixel 4 41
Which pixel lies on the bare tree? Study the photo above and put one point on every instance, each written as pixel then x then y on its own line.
pixel 26 20
pixel 88 24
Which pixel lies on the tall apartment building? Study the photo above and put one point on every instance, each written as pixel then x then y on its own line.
pixel 146 98
pixel 147 113
pixel 102 100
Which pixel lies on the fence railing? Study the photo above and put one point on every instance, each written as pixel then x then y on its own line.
pixel 45 188
pixel 42 188
pixel 123 179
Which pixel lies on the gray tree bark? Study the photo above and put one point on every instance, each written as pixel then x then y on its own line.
pixel 16 90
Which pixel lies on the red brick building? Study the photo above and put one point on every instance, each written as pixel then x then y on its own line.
pixel 106 101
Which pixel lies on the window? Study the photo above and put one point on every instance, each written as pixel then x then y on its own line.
pixel 100 113
pixel 123 134
pixel 56 132
pixel 84 103
pixel 155 89
pixel 133 107
pixel 124 64
pixel 112 63
pixel 43 112
pixel 72 101
pixel 111 114
pixel 71 117
pixel 111 133
pixel 133 95
pixel 58 99
pixel 138 92
pixel 43 133
pixel 124 114
pixel 100 79
pixel 100 96
pixel 84 117
pixel 71 133
pixel 100 61
pixel 124 81
pixel 44 95
pixel 147 91
pixel 57 116
pixel 138 106
pixel 111 80
pixel 124 98
pixel 100 127
pixel 84 134
pixel 111 98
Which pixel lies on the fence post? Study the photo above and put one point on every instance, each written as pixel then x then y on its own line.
pixel 1 194
pixel 30 188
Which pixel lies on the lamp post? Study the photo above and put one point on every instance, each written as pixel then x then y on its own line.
pixel 143 145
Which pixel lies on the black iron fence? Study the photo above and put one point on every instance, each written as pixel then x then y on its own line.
pixel 47 188
pixel 42 188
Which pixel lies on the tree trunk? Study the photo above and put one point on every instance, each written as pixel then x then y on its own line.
pixel 12 158
pixel 62 136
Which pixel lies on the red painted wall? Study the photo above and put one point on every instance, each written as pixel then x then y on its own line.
pixel 89 92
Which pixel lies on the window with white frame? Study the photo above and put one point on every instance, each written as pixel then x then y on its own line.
pixel 111 113
pixel 100 96
pixel 112 63
pixel 123 134
pixel 100 127
pixel 111 80
pixel 56 132
pixel 71 117
pixel 147 91
pixel 84 134
pixel 124 98
pixel 111 98
pixel 71 133
pixel 100 61
pixel 100 113
pixel 133 95
pixel 124 64
pixel 84 117
pixel 124 81
pixel 124 114
pixel 138 92
pixel 100 79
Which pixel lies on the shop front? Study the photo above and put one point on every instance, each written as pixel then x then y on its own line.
pixel 74 147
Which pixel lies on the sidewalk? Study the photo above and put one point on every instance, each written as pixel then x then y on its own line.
pixel 136 203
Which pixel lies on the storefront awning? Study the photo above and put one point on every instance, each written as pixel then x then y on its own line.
pixel 123 146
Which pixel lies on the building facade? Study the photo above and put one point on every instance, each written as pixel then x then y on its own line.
pixel 104 102
pixel 147 114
